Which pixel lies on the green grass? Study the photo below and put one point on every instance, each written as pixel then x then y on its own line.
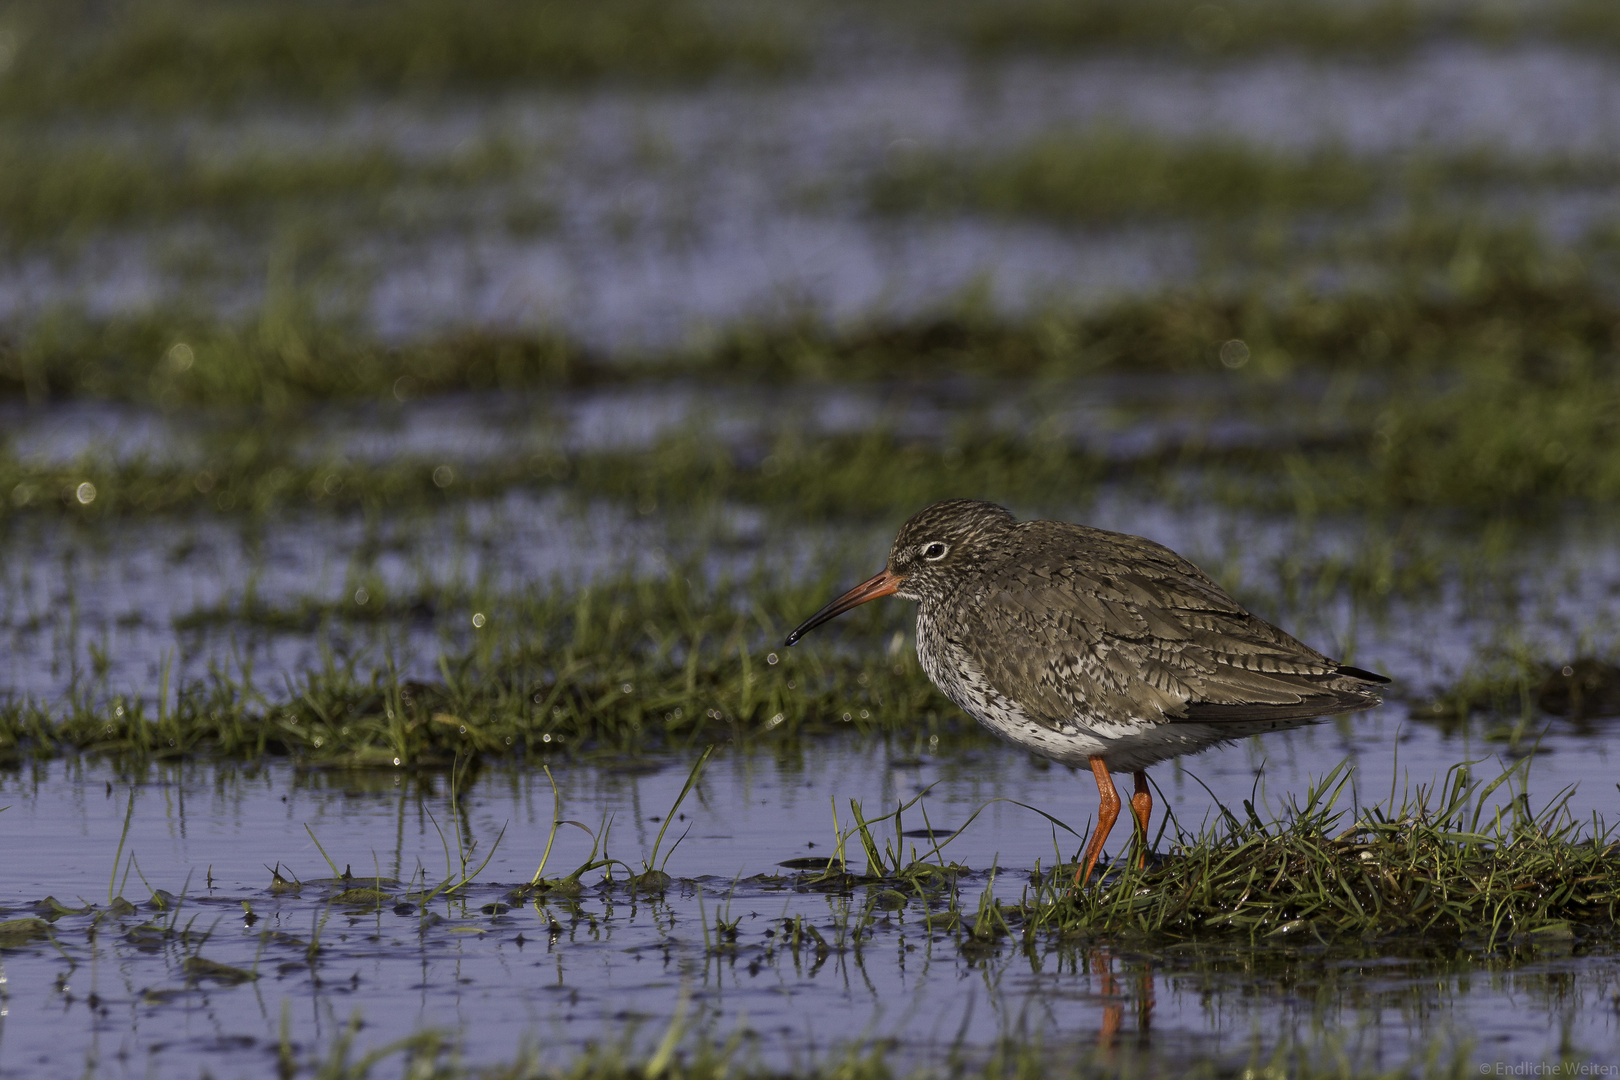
pixel 283 359
pixel 1493 442
pixel 261 470
pixel 186 54
pixel 256 472
pixel 1111 176
pixel 1210 29
pixel 636 662
pixel 56 188
pixel 1514 433
pixel 1447 863
pixel 1519 687
pixel 1440 864
pixel 1239 28
pixel 182 54
pixel 55 191
pixel 1425 294
pixel 1481 374
pixel 1445 292
pixel 626 664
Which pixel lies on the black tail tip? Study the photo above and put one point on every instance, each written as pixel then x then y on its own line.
pixel 1363 673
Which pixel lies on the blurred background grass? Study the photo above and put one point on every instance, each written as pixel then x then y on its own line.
pixel 812 261
pixel 186 54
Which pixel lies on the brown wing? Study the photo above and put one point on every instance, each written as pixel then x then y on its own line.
pixel 1080 622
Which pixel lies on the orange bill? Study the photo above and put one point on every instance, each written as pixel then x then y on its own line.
pixel 885 584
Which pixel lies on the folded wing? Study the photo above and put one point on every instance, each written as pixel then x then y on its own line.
pixel 1092 625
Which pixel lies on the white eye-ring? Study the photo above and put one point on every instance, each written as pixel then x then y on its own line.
pixel 935 551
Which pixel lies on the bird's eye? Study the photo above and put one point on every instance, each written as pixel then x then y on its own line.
pixel 935 551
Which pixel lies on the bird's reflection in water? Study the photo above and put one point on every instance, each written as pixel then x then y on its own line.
pixel 1116 990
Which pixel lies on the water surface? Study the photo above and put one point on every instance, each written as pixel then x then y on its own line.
pixel 116 999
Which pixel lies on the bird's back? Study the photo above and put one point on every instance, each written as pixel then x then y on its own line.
pixel 1078 625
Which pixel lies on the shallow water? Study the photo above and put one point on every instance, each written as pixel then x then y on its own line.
pixel 661 218
pixel 564 973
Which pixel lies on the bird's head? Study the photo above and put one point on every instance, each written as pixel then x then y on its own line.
pixel 930 555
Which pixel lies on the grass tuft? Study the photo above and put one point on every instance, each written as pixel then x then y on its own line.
pixel 1444 863
pixel 1447 862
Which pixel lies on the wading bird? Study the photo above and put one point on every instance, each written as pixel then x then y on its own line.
pixel 1095 648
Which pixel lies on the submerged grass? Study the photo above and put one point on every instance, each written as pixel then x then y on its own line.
pixel 691 1044
pixel 1272 908
pixel 694 1053
pixel 185 54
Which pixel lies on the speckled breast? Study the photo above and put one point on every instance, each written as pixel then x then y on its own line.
pixel 950 667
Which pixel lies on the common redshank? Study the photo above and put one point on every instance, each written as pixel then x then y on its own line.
pixel 1095 648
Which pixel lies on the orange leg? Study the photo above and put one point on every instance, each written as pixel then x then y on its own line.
pixel 1142 807
pixel 1107 812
